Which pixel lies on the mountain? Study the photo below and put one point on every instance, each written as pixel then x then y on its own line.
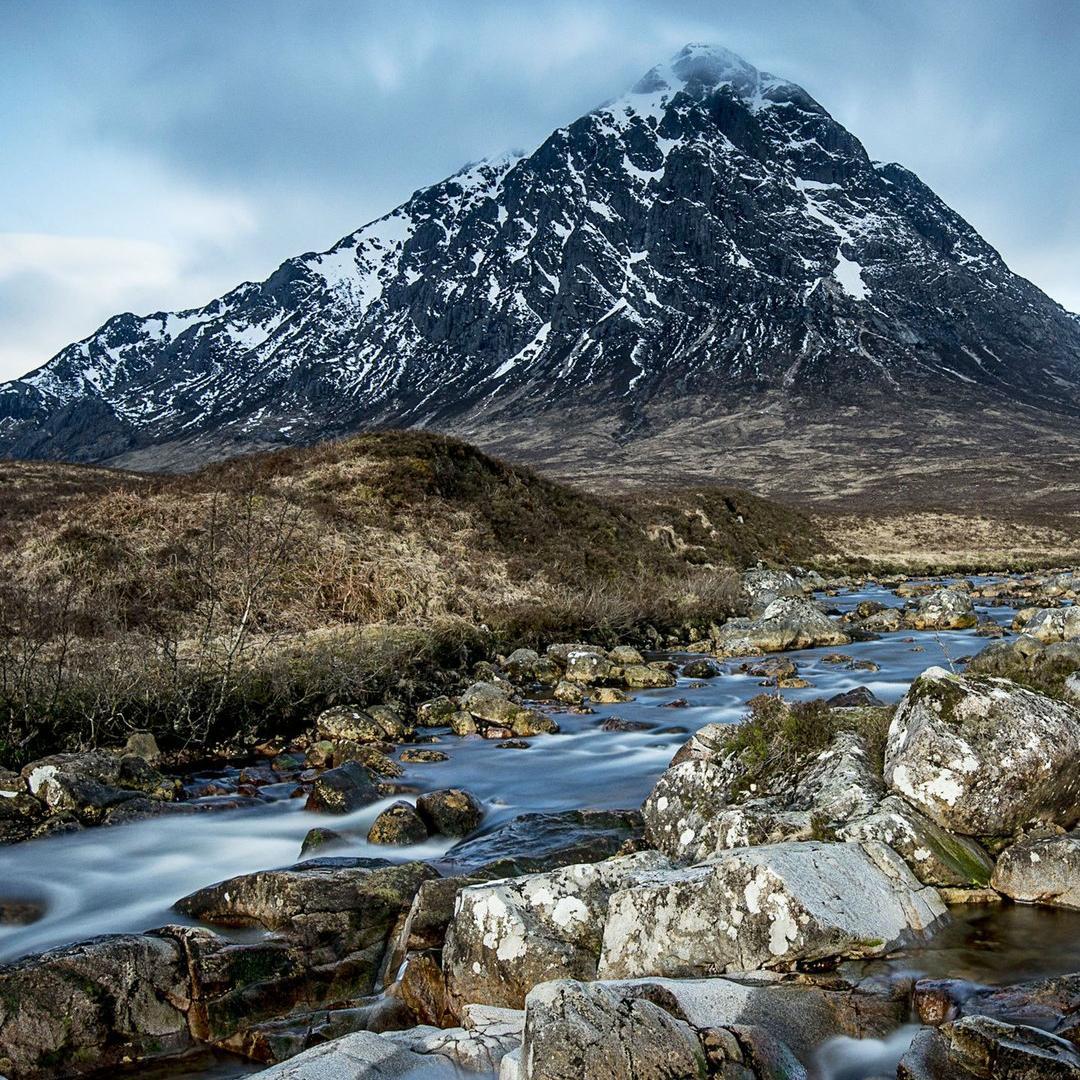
pixel 706 266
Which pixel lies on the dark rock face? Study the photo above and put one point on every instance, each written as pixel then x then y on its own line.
pixel 711 235
pixel 94 1004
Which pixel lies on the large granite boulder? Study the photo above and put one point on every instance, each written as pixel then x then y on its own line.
pixel 507 936
pixel 704 804
pixel 1054 624
pixel 1040 869
pixel 766 907
pixel 983 756
pixel 575 1030
pixel 758 1027
pixel 935 855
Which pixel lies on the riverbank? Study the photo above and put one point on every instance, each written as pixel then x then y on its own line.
pixel 607 754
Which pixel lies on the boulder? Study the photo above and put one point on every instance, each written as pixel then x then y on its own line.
pixel 92 1006
pixel 702 806
pixel 980 1048
pixel 521 665
pixel 587 667
pixel 438 712
pixel 422 755
pixel 983 756
pixel 762 587
pixel 766 907
pixel 1054 624
pixel 647 677
pixel 88 784
pixel 935 856
pixel 787 623
pixel 1040 869
pixel 347 723
pixel 742 1024
pixel 608 695
pixel 567 692
pixel 507 936
pixel 575 1030
pixel 343 790
pixel 942 609
pixel 625 654
pixel 452 812
pixel 702 668
pixel 491 705
pixel 335 909
pixel 363 1055
pixel 398 824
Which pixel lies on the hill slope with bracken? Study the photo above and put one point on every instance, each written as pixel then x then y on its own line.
pixel 710 262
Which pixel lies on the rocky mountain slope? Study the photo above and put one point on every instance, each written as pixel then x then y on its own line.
pixel 709 262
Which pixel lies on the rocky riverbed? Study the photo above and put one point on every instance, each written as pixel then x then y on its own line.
pixel 778 905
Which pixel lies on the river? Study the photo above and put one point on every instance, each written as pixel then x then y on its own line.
pixel 126 878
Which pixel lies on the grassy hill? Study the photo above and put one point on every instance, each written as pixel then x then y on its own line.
pixel 235 600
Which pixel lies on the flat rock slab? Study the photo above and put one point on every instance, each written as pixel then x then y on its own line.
pixel 766 907
pixel 364 1055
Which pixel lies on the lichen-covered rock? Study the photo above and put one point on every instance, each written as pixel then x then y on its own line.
pixel 490 705
pixel 342 790
pixel 625 654
pixel 398 824
pixel 981 1048
pixel 787 623
pixel 575 1030
pixel 935 856
pixel 647 677
pixel 983 756
pixel 766 907
pixel 509 935
pixel 943 609
pixel 347 723
pixel 587 666
pixel 1054 624
pixel 92 1006
pixel 89 784
pixel 762 587
pixel 452 812
pixel 1041 869
pixel 702 806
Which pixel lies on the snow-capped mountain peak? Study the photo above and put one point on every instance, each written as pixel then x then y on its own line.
pixel 713 233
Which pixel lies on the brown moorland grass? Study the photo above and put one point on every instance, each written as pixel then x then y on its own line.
pixel 232 602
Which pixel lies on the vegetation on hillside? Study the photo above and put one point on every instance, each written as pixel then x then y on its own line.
pixel 233 602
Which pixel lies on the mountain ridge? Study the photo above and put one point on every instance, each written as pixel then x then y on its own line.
pixel 713 235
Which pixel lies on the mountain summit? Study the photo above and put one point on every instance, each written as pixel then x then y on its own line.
pixel 710 260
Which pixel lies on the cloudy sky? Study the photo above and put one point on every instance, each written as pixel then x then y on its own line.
pixel 158 153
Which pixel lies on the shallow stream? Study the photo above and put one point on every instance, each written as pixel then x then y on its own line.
pixel 126 878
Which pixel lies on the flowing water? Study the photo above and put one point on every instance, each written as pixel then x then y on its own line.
pixel 126 878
